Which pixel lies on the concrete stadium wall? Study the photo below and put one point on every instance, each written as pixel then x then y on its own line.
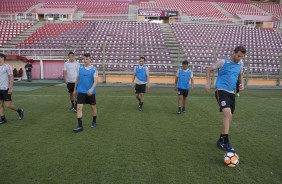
pixel 53 69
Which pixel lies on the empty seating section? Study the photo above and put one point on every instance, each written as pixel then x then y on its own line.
pixel 100 8
pixel 55 36
pixel 10 30
pixel 198 43
pixel 196 10
pixel 15 7
pixel 275 9
pixel 238 8
pixel 124 43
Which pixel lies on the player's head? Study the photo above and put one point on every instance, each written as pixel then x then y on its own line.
pixel 2 59
pixel 86 58
pixel 142 61
pixel 239 53
pixel 71 56
pixel 185 65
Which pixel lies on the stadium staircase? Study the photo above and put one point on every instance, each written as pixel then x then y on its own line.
pixel 173 46
pixel 224 11
pixel 23 36
pixel 132 12
pixel 261 10
pixel 78 15
pixel 34 7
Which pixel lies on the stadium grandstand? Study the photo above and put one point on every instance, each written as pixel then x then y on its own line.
pixel 117 32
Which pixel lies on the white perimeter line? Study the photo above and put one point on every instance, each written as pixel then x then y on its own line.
pixel 110 96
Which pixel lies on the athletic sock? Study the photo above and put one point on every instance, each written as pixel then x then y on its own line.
pixel 141 104
pixel 72 103
pixel 183 108
pixel 179 108
pixel 224 137
pixel 94 119
pixel 79 122
pixel 3 117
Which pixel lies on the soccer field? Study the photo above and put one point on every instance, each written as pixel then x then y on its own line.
pixel 155 146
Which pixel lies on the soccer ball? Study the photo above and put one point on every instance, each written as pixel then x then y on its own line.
pixel 231 159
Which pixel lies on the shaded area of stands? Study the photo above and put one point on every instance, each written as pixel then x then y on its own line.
pixel 275 9
pixel 203 43
pixel 10 30
pixel 196 10
pixel 123 43
pixel 15 7
pixel 92 8
pixel 238 8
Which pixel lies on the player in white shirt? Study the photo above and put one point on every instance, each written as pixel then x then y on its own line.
pixel 6 89
pixel 70 73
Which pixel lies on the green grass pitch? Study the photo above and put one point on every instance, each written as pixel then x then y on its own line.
pixel 155 146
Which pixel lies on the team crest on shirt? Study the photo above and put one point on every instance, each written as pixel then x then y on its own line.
pixel 223 103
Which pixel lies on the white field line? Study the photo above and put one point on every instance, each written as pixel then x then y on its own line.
pixel 113 96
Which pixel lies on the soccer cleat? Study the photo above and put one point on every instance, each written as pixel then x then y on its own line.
pixel 21 114
pixel 183 111
pixel 225 146
pixel 238 94
pixel 178 112
pixel 2 121
pixel 93 125
pixel 74 110
pixel 140 109
pixel 78 129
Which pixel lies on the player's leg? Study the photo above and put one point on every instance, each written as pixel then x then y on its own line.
pixel 80 101
pixel 141 96
pixel 184 104
pixel 137 91
pixel 2 114
pixel 93 107
pixel 70 87
pixel 180 103
pixel 8 104
pixel 184 101
pixel 94 116
pixel 226 107
pixel 180 100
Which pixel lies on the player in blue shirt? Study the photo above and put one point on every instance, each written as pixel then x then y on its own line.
pixel 141 73
pixel 85 87
pixel 229 71
pixel 182 85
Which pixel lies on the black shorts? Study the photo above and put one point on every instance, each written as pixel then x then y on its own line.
pixel 70 87
pixel 183 92
pixel 140 88
pixel 5 96
pixel 86 99
pixel 225 100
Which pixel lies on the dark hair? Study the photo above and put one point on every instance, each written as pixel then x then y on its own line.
pixel 185 62
pixel 86 55
pixel 71 53
pixel 240 48
pixel 142 57
pixel 3 56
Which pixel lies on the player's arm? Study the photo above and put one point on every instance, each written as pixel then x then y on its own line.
pixel 75 84
pixel 241 81
pixel 192 80
pixel 208 78
pixel 133 76
pixel 95 78
pixel 11 83
pixel 65 76
pixel 148 77
pixel 175 82
pixel 65 73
